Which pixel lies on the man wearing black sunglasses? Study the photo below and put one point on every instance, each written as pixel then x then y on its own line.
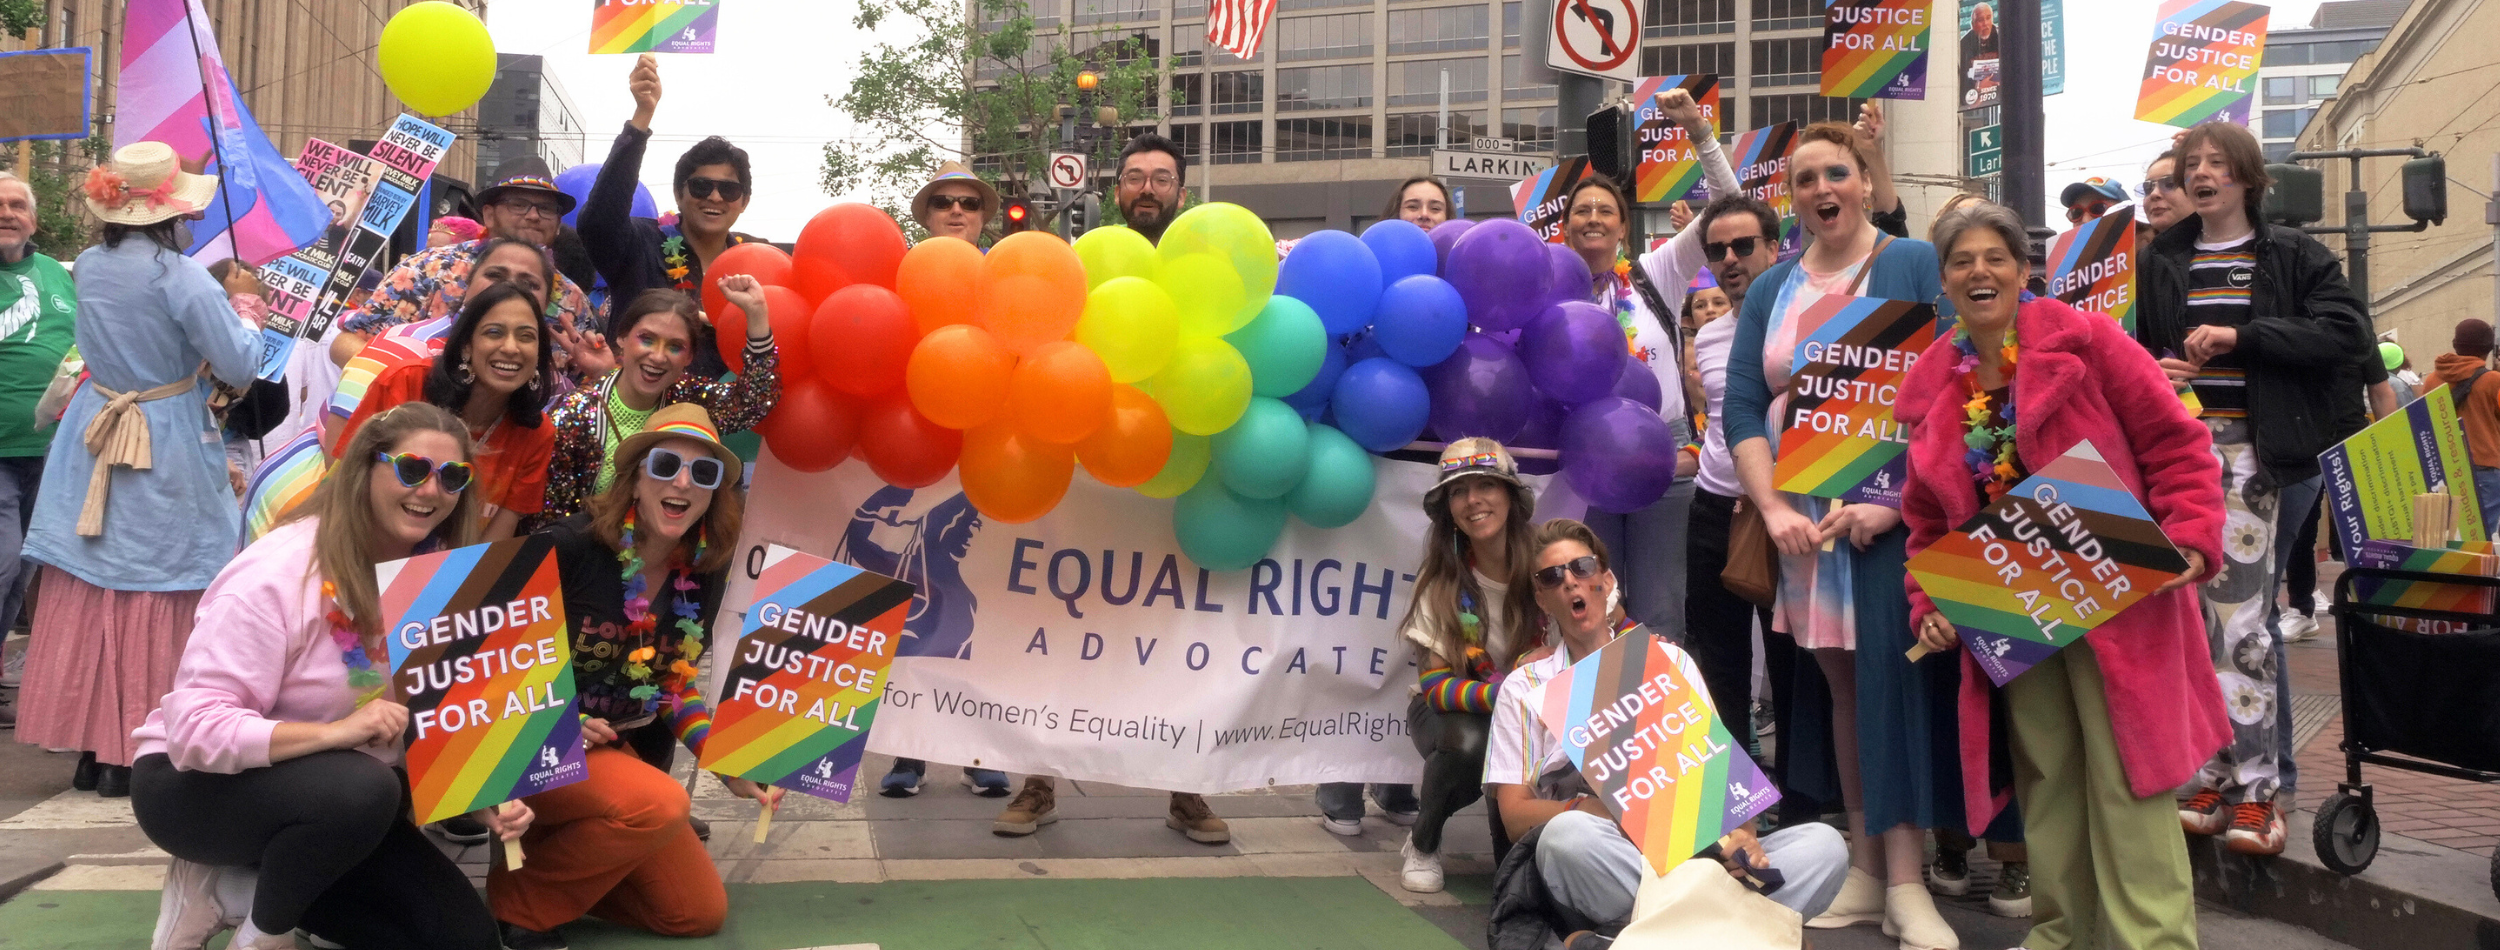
pixel 712 184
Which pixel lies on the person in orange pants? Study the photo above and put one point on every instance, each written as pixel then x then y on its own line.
pixel 617 846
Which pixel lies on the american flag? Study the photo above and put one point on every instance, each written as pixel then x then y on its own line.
pixel 1238 25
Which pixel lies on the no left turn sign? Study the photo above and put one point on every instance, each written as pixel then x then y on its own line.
pixel 1067 170
pixel 1597 38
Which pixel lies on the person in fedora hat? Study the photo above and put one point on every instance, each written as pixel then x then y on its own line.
pixel 641 570
pixel 956 203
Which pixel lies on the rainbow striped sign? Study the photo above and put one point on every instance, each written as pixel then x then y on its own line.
pixel 1637 721
pixel 654 26
pixel 481 657
pixel 1668 167
pixel 806 675
pixel 1875 49
pixel 2474 558
pixel 2203 63
pixel 1837 436
pixel 1760 158
pixel 2093 266
pixel 2014 599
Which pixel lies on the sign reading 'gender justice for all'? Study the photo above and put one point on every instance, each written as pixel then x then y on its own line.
pixel 805 676
pixel 2203 62
pixel 1668 166
pixel 2093 266
pixel 1837 435
pixel 1875 49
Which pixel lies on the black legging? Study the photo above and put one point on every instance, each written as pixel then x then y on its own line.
pixel 330 836
pixel 1718 625
pixel 1452 744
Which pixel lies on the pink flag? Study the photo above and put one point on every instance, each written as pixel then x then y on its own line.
pixel 170 67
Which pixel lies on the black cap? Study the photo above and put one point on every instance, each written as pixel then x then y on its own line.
pixel 527 173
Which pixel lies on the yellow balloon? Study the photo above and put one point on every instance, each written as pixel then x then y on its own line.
pixel 1132 325
pixel 1190 456
pixel 1236 234
pixel 1207 292
pixel 437 57
pixel 1206 386
pixel 1115 252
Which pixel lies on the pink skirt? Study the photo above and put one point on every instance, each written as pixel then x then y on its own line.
pixel 98 662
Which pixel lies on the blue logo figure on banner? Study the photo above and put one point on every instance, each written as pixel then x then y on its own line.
pixel 924 545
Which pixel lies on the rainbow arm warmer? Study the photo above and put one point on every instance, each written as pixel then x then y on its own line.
pixel 690 718
pixel 1444 691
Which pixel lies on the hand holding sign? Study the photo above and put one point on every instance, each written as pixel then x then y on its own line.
pixel 804 678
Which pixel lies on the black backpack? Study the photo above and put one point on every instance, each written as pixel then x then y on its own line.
pixel 2463 392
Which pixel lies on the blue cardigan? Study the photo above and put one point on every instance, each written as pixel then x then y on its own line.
pixel 1906 270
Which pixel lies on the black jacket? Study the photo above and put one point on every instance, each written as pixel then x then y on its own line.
pixel 2305 327
pixel 632 253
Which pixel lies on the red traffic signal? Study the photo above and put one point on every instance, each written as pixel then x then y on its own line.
pixel 1018 216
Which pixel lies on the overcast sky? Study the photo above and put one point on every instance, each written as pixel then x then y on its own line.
pixel 778 59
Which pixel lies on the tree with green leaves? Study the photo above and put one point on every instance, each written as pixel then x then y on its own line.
pixel 20 17
pixel 62 227
pixel 985 90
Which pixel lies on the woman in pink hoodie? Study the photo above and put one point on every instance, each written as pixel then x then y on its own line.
pixel 2102 731
pixel 269 772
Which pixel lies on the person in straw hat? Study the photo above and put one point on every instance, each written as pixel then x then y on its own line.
pixel 956 203
pixel 135 515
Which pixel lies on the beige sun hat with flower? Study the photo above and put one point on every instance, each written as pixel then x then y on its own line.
pixel 146 184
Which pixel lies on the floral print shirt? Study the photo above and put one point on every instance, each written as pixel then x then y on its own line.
pixel 432 283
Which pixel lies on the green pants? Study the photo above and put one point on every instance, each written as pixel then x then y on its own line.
pixel 2109 871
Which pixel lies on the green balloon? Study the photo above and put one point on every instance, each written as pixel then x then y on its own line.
pixel 1263 455
pixel 1285 347
pixel 1116 252
pixel 1337 488
pixel 1223 531
pixel 1181 472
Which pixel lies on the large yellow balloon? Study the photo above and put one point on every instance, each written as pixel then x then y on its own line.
pixel 1235 234
pixel 1206 386
pixel 1115 252
pixel 1190 457
pixel 1131 323
pixel 1208 292
pixel 437 57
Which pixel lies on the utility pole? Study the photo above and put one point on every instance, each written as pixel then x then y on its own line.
pixel 1576 96
pixel 2018 32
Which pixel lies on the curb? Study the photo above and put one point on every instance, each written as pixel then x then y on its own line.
pixel 2415 894
pixel 10 886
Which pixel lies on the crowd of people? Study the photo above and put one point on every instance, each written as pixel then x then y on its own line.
pixel 481 393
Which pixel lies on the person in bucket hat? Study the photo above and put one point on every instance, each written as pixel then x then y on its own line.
pixel 956 203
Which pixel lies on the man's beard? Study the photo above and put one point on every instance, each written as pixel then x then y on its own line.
pixel 1149 223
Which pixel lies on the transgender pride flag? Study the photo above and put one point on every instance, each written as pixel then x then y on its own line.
pixel 170 66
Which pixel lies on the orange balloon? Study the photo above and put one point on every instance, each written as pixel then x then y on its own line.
pixel 1013 478
pixel 936 279
pixel 813 427
pixel 958 376
pixel 849 243
pixel 764 262
pixel 1031 292
pixel 1060 393
pixel 861 338
pixel 1133 445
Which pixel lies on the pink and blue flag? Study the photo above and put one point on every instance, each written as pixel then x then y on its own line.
pixel 175 90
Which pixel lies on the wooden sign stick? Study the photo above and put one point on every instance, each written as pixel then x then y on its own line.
pixel 1918 652
pixel 512 854
pixel 765 806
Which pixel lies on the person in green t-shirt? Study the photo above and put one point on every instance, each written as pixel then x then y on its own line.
pixel 38 320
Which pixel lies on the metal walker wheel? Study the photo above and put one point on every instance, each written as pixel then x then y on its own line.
pixel 2346 832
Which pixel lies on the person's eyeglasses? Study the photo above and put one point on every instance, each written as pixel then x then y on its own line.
pixel 524 206
pixel 2162 185
pixel 664 464
pixel 2082 212
pixel 970 203
pixel 413 470
pixel 1717 251
pixel 1582 567
pixel 704 187
pixel 1138 179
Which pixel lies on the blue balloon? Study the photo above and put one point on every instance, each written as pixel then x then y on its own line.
pixel 1336 274
pixel 1420 320
pixel 1312 400
pixel 576 181
pixel 1223 531
pixel 1381 404
pixel 1403 249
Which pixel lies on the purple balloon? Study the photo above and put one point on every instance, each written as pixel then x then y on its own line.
pixel 1618 454
pixel 1571 278
pixel 1444 236
pixel 1640 384
pixel 576 181
pixel 1481 390
pixel 1501 269
pixel 1574 351
pixel 1543 431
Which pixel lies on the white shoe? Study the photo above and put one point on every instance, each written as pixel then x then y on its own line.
pixel 1348 827
pixel 1422 873
pixel 2299 627
pixel 1861 901
pixel 188 912
pixel 1910 915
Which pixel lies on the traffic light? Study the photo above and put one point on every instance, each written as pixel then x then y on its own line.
pixel 1084 214
pixel 1614 149
pixel 1017 217
pixel 2297 197
pixel 2426 189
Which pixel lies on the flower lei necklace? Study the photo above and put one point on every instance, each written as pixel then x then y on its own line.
pixel 361 676
pixel 673 258
pixel 1990 451
pixel 639 622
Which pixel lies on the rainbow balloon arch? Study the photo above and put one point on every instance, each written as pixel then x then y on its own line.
pixel 1203 369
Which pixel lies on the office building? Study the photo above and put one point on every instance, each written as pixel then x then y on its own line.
pixel 2303 67
pixel 527 112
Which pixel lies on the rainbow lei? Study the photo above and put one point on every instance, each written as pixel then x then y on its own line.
pixel 1990 449
pixel 640 623
pixel 361 676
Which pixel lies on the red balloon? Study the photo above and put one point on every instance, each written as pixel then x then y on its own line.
pixel 1014 478
pixel 849 243
pixel 790 317
pixel 812 428
pixel 764 262
pixel 903 447
pixel 861 338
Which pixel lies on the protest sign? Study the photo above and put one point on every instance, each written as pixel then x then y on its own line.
pixel 2052 560
pixel 2372 477
pixel 1760 159
pixel 654 26
pixel 2474 558
pixel 1543 199
pixel 481 657
pixel 344 180
pixel 403 160
pixel 1668 166
pixel 1837 436
pixel 2092 267
pixel 805 674
pixel 1875 49
pixel 1638 722
pixel 2203 62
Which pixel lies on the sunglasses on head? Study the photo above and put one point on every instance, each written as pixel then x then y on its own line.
pixel 664 464
pixel 1582 567
pixel 413 470
pixel 1717 251
pixel 943 202
pixel 704 187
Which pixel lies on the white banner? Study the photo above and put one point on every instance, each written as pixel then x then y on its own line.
pixel 1086 645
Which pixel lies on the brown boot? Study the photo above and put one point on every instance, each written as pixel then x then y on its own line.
pixel 1035 806
pixel 1191 816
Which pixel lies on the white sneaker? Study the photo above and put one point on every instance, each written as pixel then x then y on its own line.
pixel 1422 873
pixel 2298 627
pixel 1349 827
pixel 188 912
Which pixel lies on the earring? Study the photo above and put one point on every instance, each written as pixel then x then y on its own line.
pixel 466 377
pixel 534 380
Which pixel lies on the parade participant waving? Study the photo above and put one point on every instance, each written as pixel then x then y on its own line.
pixel 639 568
pixel 2101 732
pixel 1885 718
pixel 661 332
pixel 270 772
pixel 492 372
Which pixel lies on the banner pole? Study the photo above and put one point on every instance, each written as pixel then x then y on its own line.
pixel 208 101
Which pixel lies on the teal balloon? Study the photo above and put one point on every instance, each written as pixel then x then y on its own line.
pixel 1285 346
pixel 1222 531
pixel 1264 454
pixel 1338 486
